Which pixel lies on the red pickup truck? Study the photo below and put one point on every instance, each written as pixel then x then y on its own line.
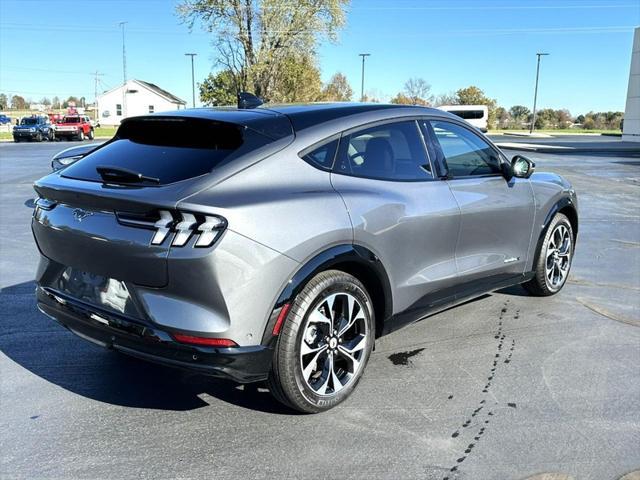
pixel 74 126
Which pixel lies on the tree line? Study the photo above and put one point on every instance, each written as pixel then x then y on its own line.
pixel 18 102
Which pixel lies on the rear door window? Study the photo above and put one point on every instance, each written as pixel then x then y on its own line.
pixel 169 149
pixel 393 151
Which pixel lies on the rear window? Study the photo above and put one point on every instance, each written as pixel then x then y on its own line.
pixel 71 120
pixel 170 149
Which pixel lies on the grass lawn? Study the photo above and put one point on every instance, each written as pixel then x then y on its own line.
pixel 562 131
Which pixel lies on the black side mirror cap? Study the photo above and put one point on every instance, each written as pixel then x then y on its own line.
pixel 507 171
pixel 522 167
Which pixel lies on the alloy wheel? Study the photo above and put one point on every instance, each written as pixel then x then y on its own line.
pixel 333 343
pixel 558 258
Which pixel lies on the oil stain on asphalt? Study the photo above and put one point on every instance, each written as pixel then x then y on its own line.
pixel 402 358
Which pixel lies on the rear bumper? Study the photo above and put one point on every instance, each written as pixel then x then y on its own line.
pixel 147 342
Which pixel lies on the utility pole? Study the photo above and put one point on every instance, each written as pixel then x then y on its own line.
pixel 95 94
pixel 363 55
pixel 124 72
pixel 535 94
pixel 193 81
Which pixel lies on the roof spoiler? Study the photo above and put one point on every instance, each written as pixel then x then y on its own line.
pixel 248 100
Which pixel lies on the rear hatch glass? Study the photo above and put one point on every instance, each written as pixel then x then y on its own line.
pixel 169 149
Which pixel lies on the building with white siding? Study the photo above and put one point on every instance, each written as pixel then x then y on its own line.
pixel 136 97
pixel 631 131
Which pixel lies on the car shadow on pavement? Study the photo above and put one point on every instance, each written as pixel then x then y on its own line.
pixel 46 349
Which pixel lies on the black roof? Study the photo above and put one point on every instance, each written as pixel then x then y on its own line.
pixel 308 115
pixel 278 120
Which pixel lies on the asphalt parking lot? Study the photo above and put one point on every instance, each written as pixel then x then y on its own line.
pixel 563 396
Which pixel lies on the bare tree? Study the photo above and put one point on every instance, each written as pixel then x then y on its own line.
pixel 418 91
pixel 256 40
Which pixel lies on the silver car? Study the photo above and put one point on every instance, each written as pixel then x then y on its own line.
pixel 277 243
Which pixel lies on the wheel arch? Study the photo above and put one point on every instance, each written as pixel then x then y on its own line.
pixel 355 260
pixel 567 207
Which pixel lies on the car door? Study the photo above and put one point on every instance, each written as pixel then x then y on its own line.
pixel 399 209
pixel 496 215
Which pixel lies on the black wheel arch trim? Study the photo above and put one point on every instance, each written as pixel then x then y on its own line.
pixel 561 204
pixel 325 260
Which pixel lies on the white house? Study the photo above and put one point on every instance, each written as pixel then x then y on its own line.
pixel 135 97
pixel 631 130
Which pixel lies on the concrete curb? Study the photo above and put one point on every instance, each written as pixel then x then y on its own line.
pixel 570 150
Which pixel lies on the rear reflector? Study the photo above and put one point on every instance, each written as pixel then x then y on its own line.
pixel 281 316
pixel 204 341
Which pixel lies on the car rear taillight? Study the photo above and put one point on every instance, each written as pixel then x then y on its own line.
pixel 204 341
pixel 206 228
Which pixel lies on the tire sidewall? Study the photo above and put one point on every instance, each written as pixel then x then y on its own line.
pixel 299 313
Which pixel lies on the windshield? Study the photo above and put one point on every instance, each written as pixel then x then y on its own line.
pixel 29 121
pixel 71 120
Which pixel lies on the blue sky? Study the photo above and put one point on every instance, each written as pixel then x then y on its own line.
pixel 50 48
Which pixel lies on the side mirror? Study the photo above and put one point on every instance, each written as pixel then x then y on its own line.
pixel 522 167
pixel 507 171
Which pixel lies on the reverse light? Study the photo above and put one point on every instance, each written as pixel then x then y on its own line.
pixel 204 341
pixel 184 230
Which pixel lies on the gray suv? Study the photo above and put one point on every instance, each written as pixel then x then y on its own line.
pixel 276 244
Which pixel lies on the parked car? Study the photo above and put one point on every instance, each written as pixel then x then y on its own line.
pixel 4 120
pixel 35 127
pixel 275 244
pixel 75 126
pixel 71 155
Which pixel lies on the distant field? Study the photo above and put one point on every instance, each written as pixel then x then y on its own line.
pixel 561 131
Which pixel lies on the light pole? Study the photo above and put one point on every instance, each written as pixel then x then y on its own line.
pixel 193 82
pixel 535 95
pixel 363 55
pixel 124 73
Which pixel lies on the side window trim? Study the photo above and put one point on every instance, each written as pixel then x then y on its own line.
pixel 470 130
pixel 380 123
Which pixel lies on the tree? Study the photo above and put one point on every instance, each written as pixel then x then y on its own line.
pixel 402 99
pixel 4 101
pixel 55 102
pixel 218 89
pixel 45 101
pixel 69 100
pixel 446 99
pixel 519 112
pixel 299 81
pixel 255 39
pixel 418 91
pixel 338 89
pixel 18 102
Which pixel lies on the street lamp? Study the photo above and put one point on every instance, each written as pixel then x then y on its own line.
pixel 535 95
pixel 193 82
pixel 363 55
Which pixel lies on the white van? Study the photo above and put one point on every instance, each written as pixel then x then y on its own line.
pixel 476 115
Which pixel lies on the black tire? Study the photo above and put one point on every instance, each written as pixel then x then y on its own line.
pixel 39 137
pixel 81 135
pixel 52 136
pixel 540 285
pixel 286 381
pixel 91 134
pixel 16 139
